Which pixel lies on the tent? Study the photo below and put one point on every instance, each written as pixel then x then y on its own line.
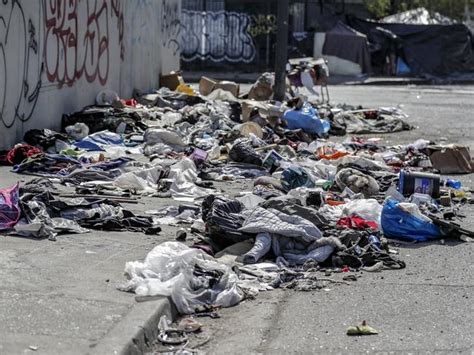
pixel 346 43
pixel 428 50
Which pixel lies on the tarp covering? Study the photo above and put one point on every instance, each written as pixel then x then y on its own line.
pixel 346 43
pixel 429 50
pixel 419 16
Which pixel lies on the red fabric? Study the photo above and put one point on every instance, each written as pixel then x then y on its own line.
pixel 130 102
pixel 356 223
pixel 20 152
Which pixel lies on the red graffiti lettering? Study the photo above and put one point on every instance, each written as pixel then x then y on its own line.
pixel 77 39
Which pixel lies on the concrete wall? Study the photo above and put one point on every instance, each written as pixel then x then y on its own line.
pixel 56 55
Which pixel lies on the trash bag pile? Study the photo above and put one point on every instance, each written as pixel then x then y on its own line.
pixel 314 204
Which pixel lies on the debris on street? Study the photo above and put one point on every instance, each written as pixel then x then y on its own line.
pixel 319 205
pixel 362 329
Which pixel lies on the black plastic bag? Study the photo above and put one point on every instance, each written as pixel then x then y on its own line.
pixel 243 152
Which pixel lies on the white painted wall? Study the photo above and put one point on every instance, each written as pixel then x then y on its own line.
pixel 56 55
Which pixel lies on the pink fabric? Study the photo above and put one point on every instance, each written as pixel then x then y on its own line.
pixel 9 206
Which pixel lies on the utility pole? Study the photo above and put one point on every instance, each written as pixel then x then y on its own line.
pixel 281 50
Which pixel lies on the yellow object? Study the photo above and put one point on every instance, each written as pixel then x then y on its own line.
pixel 185 89
pixel 459 193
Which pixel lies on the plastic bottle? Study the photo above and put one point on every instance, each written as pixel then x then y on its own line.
pixel 455 184
pixel 375 242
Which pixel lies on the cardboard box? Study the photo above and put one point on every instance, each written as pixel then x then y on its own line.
pixel 208 85
pixel 450 159
pixel 229 86
pixel 171 80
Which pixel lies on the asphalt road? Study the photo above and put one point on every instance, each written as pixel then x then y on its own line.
pixel 61 297
pixel 425 308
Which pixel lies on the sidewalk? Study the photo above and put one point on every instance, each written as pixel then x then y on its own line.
pixel 61 297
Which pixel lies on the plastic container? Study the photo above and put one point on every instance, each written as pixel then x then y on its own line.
pixel 422 183
pixel 419 199
pixel 272 161
pixel 375 242
pixel 455 184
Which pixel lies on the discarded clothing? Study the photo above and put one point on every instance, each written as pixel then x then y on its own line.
pixel 263 244
pixel 190 277
pixel 77 131
pixel 356 223
pixel 99 141
pixel 261 220
pixel 355 124
pixel 223 220
pixel 290 208
pixel 294 177
pixel 41 218
pixel 19 153
pixel 52 165
pixel 9 207
pixel 44 138
pixel 357 182
pixel 293 237
pixel 105 118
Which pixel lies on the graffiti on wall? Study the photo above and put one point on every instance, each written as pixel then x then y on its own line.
pixel 60 42
pixel 20 62
pixel 49 45
pixel 262 25
pixel 216 36
pixel 171 26
pixel 78 41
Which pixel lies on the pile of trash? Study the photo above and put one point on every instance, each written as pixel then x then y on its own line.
pixel 316 206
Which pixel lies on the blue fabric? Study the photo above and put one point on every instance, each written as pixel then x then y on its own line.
pixel 48 165
pixel 307 119
pixel 294 177
pixel 111 164
pixel 97 141
pixel 399 224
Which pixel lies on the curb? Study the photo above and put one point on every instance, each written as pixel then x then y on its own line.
pixel 137 331
pixel 391 82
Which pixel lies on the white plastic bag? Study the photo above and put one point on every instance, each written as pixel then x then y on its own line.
pixel 184 176
pixel 154 135
pixel 189 276
pixel 368 209
pixel 77 131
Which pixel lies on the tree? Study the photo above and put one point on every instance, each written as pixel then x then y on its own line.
pixel 379 8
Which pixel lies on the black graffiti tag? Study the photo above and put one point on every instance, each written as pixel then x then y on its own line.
pixel 216 36
pixel 171 25
pixel 18 35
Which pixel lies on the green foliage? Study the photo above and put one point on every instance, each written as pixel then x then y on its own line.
pixel 379 8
